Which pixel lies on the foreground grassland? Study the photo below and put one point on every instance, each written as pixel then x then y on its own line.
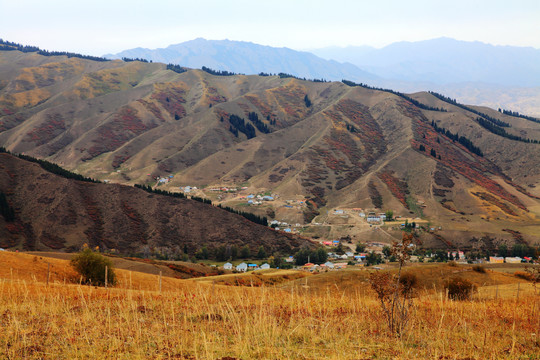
pixel 204 320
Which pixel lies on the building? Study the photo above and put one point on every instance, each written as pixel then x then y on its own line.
pixel 496 260
pixel 242 267
pixel 264 266
pixel 227 266
pixel 513 260
pixel 372 217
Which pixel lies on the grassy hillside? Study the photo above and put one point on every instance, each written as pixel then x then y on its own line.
pixel 192 320
pixel 324 145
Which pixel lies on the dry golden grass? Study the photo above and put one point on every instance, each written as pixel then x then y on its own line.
pixel 190 320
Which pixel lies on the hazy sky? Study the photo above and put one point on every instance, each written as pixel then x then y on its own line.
pixel 98 27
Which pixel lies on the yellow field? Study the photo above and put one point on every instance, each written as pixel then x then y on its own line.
pixel 194 320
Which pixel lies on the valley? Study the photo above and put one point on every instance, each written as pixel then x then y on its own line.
pixel 313 147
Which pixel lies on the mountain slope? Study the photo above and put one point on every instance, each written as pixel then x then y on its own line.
pixel 317 146
pixel 53 212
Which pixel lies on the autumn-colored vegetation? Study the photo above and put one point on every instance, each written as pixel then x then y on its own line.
pixel 201 320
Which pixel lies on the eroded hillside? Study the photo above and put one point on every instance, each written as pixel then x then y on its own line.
pixel 329 144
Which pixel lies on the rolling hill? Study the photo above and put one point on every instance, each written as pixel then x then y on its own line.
pixel 317 146
pixel 56 213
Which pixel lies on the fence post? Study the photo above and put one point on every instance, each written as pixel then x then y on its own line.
pixel 48 272
pixel 106 271
pixel 160 281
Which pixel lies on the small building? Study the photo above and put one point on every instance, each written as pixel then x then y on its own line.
pixel 264 266
pixel 349 254
pixel 227 266
pixel 496 260
pixel 329 265
pixel 290 259
pixel 372 217
pixel 253 266
pixel 338 212
pixel 382 216
pixel 513 260
pixel 242 267
pixel 341 265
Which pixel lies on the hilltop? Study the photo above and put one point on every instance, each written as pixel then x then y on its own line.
pixel 317 146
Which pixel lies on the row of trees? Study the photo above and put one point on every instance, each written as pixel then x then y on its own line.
pixel 51 167
pixel 229 253
pixel 464 107
pixel 11 46
pixel 149 189
pixel 517 114
pixel 460 139
pixel 402 95
pixel 176 68
pixel 497 130
pixel 218 72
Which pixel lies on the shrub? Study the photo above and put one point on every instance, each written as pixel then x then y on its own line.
pixel 407 282
pixel 460 289
pixel 479 269
pixel 91 266
pixel 524 275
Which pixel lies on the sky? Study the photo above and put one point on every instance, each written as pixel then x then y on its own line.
pixel 99 27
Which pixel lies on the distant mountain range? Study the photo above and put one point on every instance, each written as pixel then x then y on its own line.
pixel 445 61
pixel 248 58
pixel 472 72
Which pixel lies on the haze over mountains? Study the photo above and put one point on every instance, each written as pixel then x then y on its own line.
pixel 472 72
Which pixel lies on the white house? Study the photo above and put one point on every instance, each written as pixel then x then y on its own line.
pixel 372 217
pixel 264 266
pixel 227 266
pixel 242 267
pixel 329 265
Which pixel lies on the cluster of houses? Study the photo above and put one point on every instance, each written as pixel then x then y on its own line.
pixel 283 226
pixel 163 180
pixel 257 199
pixel 243 267
pixel 326 266
pixel 509 260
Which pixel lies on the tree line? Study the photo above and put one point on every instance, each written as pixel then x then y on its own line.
pixel 517 114
pixel 501 132
pixel 126 59
pixel 262 127
pixel 51 167
pixel 176 68
pixel 218 72
pixel 11 46
pixel 460 139
pixel 402 95
pixel 238 124
pixel 149 189
pixel 464 107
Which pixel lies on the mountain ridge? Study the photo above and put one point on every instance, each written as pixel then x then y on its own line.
pixel 317 146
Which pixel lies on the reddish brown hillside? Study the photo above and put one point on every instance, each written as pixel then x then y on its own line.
pixel 61 214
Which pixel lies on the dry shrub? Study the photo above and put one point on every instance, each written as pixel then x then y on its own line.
pixel 407 282
pixel 479 269
pixel 524 275
pixel 452 263
pixel 460 289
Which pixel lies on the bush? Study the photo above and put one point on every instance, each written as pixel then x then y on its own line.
pixel 407 282
pixel 91 266
pixel 479 269
pixel 460 289
pixel 524 275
